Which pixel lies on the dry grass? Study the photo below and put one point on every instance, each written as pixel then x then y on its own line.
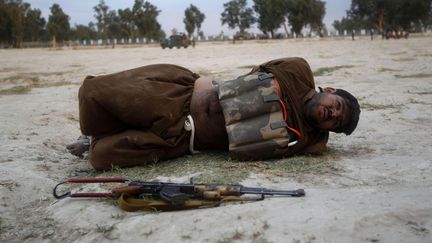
pixel 388 70
pixel 237 236
pixel 16 90
pixel 9 69
pixel 416 75
pixel 327 70
pixel 247 67
pixel 397 53
pixel 20 77
pixel 370 106
pixel 404 59
pixel 25 89
pixel 33 77
pixel 420 92
pixel 216 167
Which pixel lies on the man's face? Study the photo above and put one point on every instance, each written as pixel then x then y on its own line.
pixel 327 111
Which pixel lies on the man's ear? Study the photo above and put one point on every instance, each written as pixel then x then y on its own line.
pixel 328 90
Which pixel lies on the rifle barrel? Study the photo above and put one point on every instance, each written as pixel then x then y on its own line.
pixel 264 191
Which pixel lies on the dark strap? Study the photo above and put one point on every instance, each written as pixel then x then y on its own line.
pixel 279 124
pixel 264 76
pixel 271 98
pixel 131 204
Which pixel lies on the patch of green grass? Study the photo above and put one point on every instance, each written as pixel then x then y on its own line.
pixel 29 235
pixel 76 65
pixel 16 90
pixel 21 77
pixel 414 101
pixel 404 59
pixel 33 76
pixel 216 167
pixel 247 66
pixel 370 106
pixel 388 70
pixel 416 75
pixel 9 69
pixel 25 89
pixel 327 70
pixel 104 228
pixel 49 73
pixel 424 55
pixel 53 84
pixel 397 53
pixel 420 93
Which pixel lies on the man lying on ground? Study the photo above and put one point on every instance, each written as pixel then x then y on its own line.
pixel 163 111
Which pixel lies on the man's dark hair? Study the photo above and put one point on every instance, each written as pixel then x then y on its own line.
pixel 354 106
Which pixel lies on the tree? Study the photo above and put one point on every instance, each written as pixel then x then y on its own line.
pixel 5 36
pixel 193 19
pixel 412 13
pixel 108 22
pixel 58 24
pixel 102 19
pixel 296 16
pixel 12 20
pixel 371 11
pixel 236 14
pixel 390 14
pixel 127 25
pixel 316 15
pixel 350 24
pixel 306 12
pixel 114 26
pixel 83 32
pixel 146 19
pixel 19 22
pixel 271 14
pixel 34 28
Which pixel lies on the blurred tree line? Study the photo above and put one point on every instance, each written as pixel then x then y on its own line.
pixel 386 15
pixel 272 14
pixel 19 22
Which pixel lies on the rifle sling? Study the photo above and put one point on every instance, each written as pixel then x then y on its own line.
pixel 130 204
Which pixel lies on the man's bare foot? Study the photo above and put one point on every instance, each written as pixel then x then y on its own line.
pixel 79 147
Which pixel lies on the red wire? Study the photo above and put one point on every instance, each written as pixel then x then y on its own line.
pixel 277 88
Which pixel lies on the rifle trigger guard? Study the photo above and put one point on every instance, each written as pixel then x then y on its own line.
pixel 67 194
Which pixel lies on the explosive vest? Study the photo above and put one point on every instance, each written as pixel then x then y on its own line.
pixel 255 117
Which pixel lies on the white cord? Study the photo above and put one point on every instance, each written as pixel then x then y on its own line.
pixel 190 126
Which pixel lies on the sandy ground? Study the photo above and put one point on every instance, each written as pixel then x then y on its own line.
pixel 382 191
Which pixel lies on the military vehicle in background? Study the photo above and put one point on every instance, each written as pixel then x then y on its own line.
pixel 179 40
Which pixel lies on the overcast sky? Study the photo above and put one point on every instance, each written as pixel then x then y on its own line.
pixel 172 12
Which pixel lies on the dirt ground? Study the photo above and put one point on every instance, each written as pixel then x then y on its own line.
pixel 372 186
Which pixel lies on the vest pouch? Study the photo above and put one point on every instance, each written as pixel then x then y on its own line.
pixel 254 118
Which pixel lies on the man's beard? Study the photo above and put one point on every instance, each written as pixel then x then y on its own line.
pixel 310 107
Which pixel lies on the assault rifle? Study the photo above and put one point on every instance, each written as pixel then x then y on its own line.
pixel 142 195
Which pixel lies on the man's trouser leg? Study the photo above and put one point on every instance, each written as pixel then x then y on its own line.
pixel 94 118
pixel 133 147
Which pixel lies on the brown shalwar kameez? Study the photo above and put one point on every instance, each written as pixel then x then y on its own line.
pixel 136 116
